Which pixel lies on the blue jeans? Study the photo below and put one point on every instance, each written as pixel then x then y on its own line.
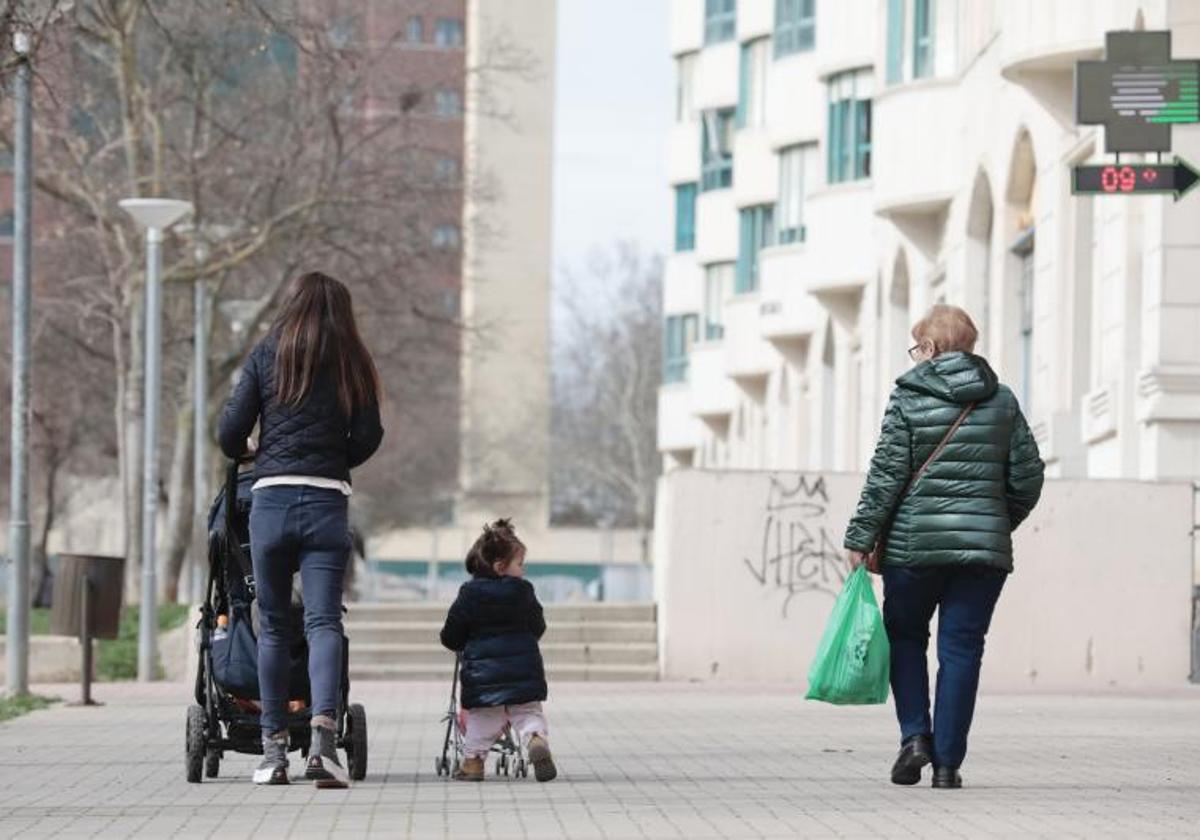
pixel 299 528
pixel 965 597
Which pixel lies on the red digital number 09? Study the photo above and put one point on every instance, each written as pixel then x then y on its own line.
pixel 1113 179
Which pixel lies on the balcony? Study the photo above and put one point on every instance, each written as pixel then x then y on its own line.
pixel 925 115
pixel 840 220
pixel 1043 41
pixel 683 153
pixel 716 227
pixel 717 76
pixel 748 355
pixel 787 312
pixel 683 284
pixel 678 428
pixel 713 393
pixel 687 26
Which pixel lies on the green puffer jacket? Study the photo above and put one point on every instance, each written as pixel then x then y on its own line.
pixel 965 506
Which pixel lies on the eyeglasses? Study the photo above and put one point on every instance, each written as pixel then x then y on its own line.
pixel 914 353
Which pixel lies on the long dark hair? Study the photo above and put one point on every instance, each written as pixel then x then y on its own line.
pixel 315 331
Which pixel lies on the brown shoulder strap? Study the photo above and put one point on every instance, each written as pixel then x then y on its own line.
pixel 938 450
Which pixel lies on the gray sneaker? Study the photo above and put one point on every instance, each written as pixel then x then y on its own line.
pixel 274 767
pixel 323 766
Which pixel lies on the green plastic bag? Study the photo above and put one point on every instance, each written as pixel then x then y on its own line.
pixel 853 659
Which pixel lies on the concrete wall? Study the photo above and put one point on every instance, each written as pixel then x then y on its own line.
pixel 748 565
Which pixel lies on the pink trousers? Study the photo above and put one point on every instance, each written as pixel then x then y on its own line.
pixel 486 724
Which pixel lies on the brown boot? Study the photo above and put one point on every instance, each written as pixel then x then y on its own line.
pixel 471 770
pixel 543 763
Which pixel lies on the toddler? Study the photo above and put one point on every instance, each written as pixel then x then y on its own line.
pixel 495 624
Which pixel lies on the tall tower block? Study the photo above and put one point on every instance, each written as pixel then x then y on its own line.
pixel 505 414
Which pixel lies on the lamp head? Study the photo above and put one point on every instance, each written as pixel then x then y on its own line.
pixel 158 213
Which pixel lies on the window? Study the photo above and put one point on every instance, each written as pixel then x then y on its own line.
pixel 922 39
pixel 795 26
pixel 716 149
pixel 752 84
pixel 895 41
pixel 446 169
pixel 718 279
pixel 448 32
pixel 414 31
pixel 685 87
pixel 756 231
pixel 446 236
pixel 849 139
pixel 678 338
pixel 685 217
pixel 6 225
pixel 447 103
pixel 1023 249
pixel 720 20
pixel 794 165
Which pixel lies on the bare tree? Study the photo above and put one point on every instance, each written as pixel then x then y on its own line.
pixel 606 375
pixel 254 111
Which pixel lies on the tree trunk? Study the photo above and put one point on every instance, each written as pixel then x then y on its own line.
pixel 38 565
pixel 132 384
pixel 179 504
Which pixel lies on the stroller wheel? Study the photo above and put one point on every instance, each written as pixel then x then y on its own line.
pixel 194 742
pixel 356 741
pixel 437 765
pixel 212 764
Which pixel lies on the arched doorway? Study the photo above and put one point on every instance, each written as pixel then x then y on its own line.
pixel 899 319
pixel 1020 279
pixel 979 258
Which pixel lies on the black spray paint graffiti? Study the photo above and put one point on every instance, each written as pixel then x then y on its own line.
pixel 799 554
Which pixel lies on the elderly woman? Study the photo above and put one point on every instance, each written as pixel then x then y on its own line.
pixel 955 471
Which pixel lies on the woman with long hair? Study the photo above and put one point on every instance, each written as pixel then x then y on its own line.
pixel 312 388
pixel 956 470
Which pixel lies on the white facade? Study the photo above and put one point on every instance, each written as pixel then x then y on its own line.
pixel 1088 307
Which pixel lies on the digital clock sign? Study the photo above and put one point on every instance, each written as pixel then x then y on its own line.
pixel 1127 178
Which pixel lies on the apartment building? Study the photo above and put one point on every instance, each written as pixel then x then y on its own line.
pixel 839 166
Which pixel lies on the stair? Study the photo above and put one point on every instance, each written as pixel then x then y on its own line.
pixel 583 642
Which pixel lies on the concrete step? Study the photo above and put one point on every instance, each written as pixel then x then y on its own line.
pixel 557 632
pixel 631 653
pixel 374 612
pixel 554 673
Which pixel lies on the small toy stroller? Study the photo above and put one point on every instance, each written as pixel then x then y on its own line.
pixel 225 715
pixel 510 756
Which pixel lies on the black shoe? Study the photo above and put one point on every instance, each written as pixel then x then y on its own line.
pixel 915 754
pixel 946 777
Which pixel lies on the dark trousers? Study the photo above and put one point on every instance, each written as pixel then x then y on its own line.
pixel 305 529
pixel 965 597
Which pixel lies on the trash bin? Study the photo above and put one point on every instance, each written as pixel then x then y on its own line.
pixel 88 591
pixel 104 578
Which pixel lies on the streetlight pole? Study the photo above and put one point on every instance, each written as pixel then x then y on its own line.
pixel 155 215
pixel 18 520
pixel 200 422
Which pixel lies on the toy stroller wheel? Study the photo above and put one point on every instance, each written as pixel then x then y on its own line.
pixel 437 766
pixel 356 741
pixel 194 742
pixel 212 764
pixel 454 770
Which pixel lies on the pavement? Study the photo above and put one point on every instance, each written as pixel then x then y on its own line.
pixel 636 760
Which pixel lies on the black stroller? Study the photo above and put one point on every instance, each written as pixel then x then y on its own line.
pixel 226 713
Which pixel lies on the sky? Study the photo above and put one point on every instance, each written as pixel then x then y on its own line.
pixel 612 113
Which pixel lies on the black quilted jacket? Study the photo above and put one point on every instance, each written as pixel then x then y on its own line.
pixel 313 439
pixel 496 625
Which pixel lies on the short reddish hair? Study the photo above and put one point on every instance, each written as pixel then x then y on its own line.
pixel 948 327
